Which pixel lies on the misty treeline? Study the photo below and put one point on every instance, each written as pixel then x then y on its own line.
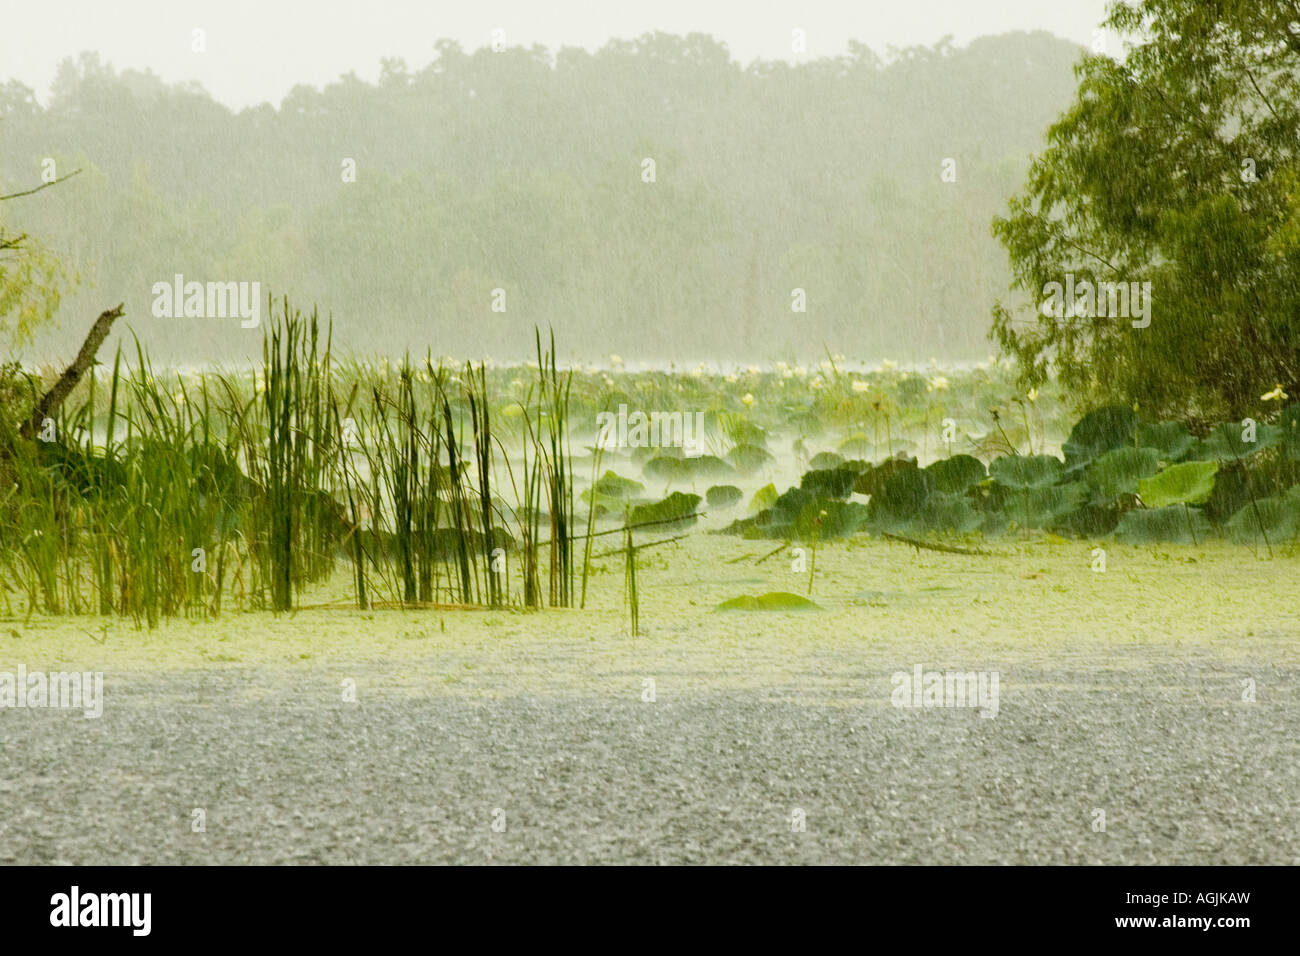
pixel 524 170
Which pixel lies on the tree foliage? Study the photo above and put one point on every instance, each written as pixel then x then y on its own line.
pixel 1177 166
pixel 32 280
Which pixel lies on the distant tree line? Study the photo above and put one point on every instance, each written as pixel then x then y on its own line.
pixel 524 171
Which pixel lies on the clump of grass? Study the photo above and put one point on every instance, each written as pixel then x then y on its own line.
pixel 597 453
pixel 553 398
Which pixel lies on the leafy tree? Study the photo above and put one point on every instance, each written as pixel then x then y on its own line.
pixel 32 279
pixel 1178 167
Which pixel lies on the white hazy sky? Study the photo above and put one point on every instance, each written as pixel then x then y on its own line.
pixel 257 50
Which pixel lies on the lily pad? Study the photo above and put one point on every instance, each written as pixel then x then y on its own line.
pixel 1227 441
pixel 825 459
pixel 1189 483
pixel 764 498
pixel 1026 471
pixel 838 519
pixel 1171 439
pixel 873 479
pixel 611 488
pixel 1098 432
pixel 1174 524
pixel 1119 470
pixel 676 510
pixel 747 459
pixel 723 496
pixel 830 483
pixel 857 445
pixel 956 474
pixel 772 601
pixel 901 499
pixel 947 514
pixel 1045 507
pixel 1090 520
pixel 669 469
pixel 1277 519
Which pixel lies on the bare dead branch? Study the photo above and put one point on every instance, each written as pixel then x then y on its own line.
pixel 944 548
pixel 52 182
pixel 61 389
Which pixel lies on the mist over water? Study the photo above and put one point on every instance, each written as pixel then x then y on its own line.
pixel 654 199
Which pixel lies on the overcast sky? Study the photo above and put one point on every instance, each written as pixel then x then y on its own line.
pixel 257 50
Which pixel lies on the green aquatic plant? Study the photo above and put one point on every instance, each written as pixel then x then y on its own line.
pixel 772 601
pixel 677 510
pixel 720 497
pixel 1120 470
